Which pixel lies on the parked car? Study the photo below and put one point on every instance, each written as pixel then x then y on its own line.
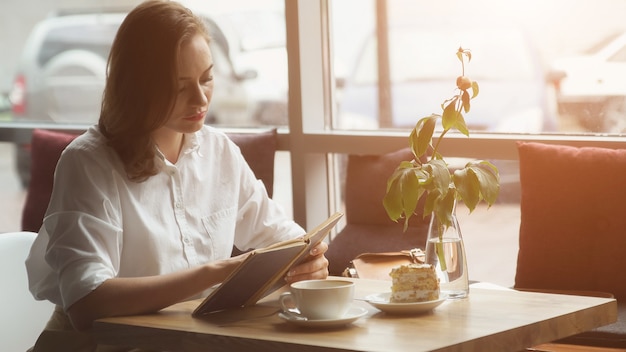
pixel 592 88
pixel 514 95
pixel 258 41
pixel 256 37
pixel 61 75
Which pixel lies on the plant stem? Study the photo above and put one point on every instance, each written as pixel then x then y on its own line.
pixel 439 248
pixel 438 142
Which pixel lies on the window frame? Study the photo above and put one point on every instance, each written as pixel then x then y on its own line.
pixel 311 143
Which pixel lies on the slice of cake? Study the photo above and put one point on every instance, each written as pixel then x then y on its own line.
pixel 414 283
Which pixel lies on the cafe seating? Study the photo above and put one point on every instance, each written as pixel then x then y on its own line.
pixel 573 228
pixel 46 146
pixel 368 228
pixel 23 317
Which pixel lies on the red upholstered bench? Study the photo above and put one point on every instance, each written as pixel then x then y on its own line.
pixel 573 227
pixel 46 146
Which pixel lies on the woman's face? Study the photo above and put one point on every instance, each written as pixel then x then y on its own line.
pixel 195 86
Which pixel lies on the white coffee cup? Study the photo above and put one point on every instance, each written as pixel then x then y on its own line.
pixel 318 299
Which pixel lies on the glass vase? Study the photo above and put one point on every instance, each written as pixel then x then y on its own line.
pixel 446 252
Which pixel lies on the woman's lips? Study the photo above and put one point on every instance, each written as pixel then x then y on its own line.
pixel 196 117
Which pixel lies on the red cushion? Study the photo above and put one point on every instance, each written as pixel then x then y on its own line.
pixel 573 218
pixel 366 185
pixel 259 150
pixel 46 148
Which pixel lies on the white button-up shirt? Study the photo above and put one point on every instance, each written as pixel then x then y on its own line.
pixel 101 225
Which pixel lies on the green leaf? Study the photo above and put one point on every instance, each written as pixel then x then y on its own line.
pixel 445 207
pixel 432 198
pixel 439 174
pixel 478 180
pixel 410 193
pixel 393 198
pixel 450 113
pixel 460 52
pixel 488 179
pixel 465 98
pixel 405 187
pixel 474 89
pixel 461 126
pixel 421 136
pixel 467 186
pixel 453 118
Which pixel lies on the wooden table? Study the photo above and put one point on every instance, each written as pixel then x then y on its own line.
pixel 488 320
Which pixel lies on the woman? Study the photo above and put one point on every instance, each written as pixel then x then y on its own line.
pixel 147 205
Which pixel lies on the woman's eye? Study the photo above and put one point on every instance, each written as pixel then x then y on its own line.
pixel 207 79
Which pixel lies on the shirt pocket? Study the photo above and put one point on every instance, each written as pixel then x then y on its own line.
pixel 220 228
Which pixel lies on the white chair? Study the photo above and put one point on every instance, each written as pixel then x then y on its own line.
pixel 22 318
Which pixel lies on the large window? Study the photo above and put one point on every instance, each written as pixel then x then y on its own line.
pixel 363 71
pixel 394 63
pixel 540 70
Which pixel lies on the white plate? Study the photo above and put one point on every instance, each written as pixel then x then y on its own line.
pixel 353 314
pixel 381 301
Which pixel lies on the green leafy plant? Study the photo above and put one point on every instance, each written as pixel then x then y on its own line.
pixel 412 180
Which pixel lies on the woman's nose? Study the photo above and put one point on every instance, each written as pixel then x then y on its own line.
pixel 199 96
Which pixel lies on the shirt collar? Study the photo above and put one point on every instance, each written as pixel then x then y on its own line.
pixel 191 143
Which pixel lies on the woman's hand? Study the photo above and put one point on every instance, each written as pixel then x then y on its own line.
pixel 141 295
pixel 315 266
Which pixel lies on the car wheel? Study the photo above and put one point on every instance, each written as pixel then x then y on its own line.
pixel 73 82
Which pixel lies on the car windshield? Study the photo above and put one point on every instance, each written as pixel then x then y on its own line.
pixel 417 55
pixel 94 38
pixel 259 29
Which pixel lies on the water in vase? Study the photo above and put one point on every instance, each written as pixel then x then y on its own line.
pixel 453 280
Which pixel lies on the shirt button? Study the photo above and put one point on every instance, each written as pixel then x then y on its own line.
pixel 177 205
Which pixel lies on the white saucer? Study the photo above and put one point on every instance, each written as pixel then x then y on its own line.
pixel 353 314
pixel 381 301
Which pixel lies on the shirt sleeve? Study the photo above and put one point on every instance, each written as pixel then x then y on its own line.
pixel 83 227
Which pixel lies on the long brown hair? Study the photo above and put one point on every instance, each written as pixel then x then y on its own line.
pixel 140 90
